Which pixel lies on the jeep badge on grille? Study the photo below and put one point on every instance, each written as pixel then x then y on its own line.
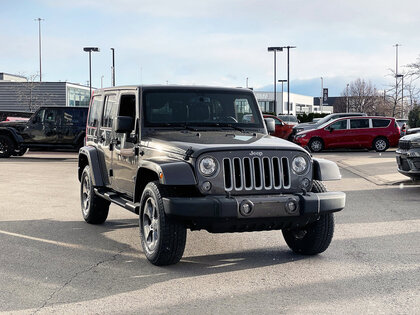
pixel 253 153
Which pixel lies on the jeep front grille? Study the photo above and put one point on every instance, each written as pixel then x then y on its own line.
pixel 404 145
pixel 256 173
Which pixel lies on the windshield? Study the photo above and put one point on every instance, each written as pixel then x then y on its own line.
pixel 325 119
pixel 201 108
pixel 288 118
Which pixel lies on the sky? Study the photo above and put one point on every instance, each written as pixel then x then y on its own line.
pixel 212 42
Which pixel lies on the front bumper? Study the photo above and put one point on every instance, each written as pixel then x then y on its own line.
pixel 262 207
pixel 409 162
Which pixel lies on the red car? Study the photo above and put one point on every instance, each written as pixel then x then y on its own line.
pixel 283 130
pixel 377 133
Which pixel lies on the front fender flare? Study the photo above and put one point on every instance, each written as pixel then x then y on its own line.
pixel 171 172
pixel 325 170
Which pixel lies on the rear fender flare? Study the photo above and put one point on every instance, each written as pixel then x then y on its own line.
pixel 89 156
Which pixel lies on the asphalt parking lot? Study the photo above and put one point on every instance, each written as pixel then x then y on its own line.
pixel 52 261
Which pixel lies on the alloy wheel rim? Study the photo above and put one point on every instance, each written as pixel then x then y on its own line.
pixel 380 144
pixel 150 224
pixel 3 147
pixel 316 145
pixel 86 195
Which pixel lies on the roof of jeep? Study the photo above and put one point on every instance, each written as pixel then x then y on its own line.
pixel 172 87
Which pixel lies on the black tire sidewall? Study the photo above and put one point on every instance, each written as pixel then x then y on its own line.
pixel 151 191
pixel 98 209
pixel 6 141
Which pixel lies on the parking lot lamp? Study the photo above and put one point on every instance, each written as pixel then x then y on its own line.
pixel 282 99
pixel 89 50
pixel 275 49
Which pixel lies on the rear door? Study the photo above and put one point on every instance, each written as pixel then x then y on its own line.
pixel 360 132
pixel 72 129
pixel 106 135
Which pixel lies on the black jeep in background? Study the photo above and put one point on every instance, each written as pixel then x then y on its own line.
pixel 190 158
pixel 48 128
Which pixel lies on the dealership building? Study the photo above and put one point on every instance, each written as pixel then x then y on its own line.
pixel 17 93
pixel 299 104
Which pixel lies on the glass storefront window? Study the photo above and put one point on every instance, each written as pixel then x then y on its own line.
pixel 77 97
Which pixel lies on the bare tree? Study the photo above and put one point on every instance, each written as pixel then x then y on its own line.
pixel 359 96
pixel 25 93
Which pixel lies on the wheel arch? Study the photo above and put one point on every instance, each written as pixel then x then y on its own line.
pixel 12 134
pixel 89 156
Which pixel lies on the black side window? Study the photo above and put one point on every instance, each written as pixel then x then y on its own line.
pixel 380 123
pixel 359 123
pixel 110 111
pixel 39 118
pixel 339 125
pixel 128 106
pixel 95 112
pixel 51 116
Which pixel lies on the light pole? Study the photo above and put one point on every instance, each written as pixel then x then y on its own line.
pixel 90 49
pixel 282 100
pixel 113 67
pixel 347 95
pixel 39 46
pixel 288 78
pixel 275 49
pixel 321 99
pixel 396 73
pixel 402 93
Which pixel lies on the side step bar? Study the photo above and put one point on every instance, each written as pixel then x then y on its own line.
pixel 118 200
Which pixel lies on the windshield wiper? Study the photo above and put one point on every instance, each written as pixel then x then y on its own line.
pixel 232 126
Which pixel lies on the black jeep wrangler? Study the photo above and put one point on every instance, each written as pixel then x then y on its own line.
pixel 185 157
pixel 56 127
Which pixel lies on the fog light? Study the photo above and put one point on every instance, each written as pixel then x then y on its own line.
pixel 291 206
pixel 305 183
pixel 246 207
pixel 206 186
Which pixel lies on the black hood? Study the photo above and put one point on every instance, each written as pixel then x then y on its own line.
pixel 182 141
pixel 18 125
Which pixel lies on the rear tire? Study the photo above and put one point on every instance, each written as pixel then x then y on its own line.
pixel 315 237
pixel 94 208
pixel 6 146
pixel 316 145
pixel 380 144
pixel 162 238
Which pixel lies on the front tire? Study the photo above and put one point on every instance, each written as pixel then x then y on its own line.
pixel 6 146
pixel 162 238
pixel 94 208
pixel 316 236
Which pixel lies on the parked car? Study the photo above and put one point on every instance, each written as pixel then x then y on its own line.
pixel 412 130
pixel 315 125
pixel 283 130
pixel 289 119
pixel 408 156
pixel 184 157
pixel 377 133
pixel 48 128
pixel 16 119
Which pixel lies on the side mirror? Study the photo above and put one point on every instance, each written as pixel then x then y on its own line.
pixel 124 124
pixel 270 124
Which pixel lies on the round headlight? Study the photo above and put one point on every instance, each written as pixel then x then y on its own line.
pixel 299 165
pixel 208 166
